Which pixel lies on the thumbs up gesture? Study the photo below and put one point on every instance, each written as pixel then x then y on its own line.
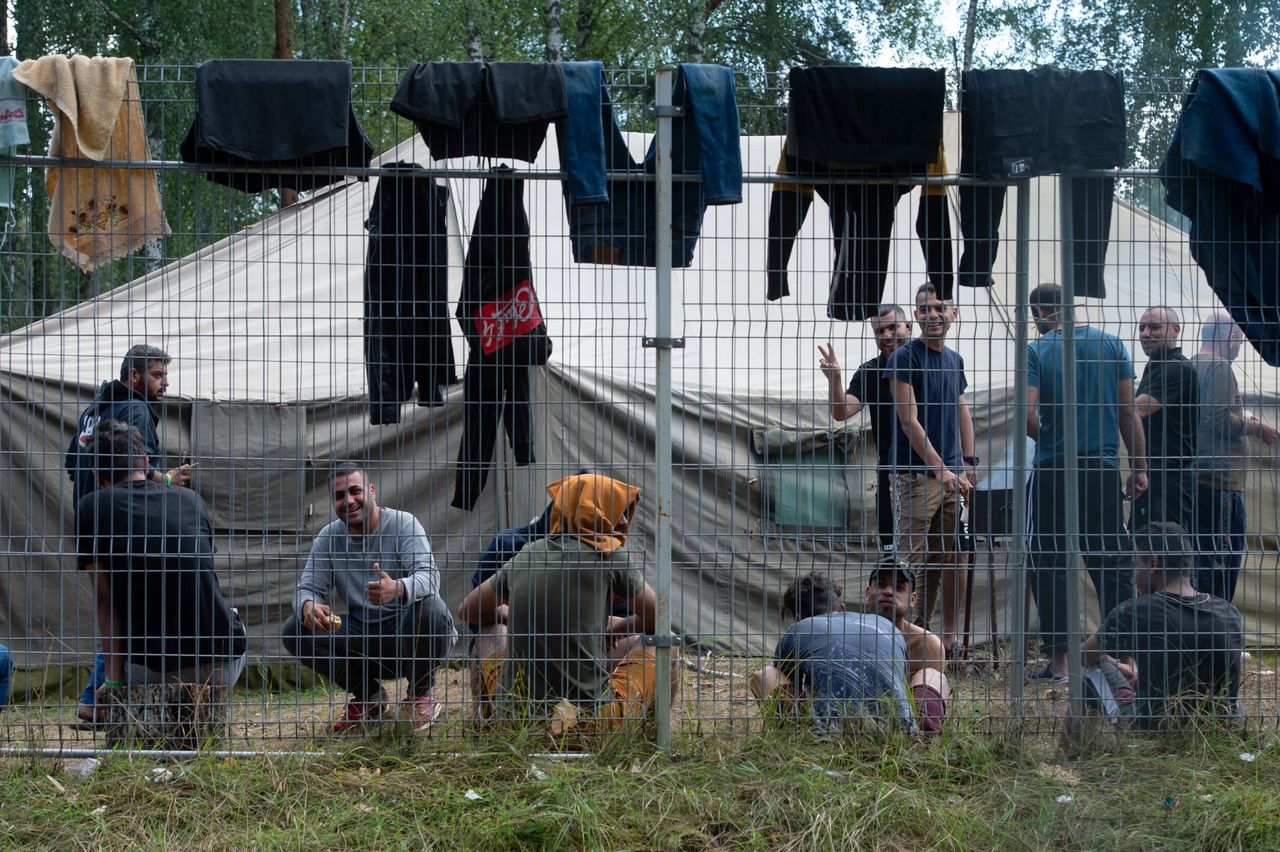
pixel 382 589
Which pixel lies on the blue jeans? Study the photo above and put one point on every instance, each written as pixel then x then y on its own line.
pixel 6 674
pixel 1220 526
pixel 89 696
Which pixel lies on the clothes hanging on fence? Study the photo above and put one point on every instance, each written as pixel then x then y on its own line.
pixel 272 114
pixel 502 322
pixel 407 333
pixel 482 109
pixel 13 124
pixel 846 122
pixel 96 215
pixel 1023 124
pixel 1222 171
pixel 704 142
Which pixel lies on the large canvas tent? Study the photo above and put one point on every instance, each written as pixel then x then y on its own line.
pixel 269 389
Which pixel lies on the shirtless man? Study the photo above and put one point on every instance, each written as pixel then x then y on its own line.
pixel 891 592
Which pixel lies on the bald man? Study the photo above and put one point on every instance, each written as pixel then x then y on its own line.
pixel 1168 403
pixel 1220 465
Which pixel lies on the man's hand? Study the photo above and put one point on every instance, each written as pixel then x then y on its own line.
pixel 1264 433
pixel 1136 485
pixel 829 363
pixel 971 474
pixel 180 475
pixel 618 628
pixel 319 617
pixel 382 589
pixel 952 483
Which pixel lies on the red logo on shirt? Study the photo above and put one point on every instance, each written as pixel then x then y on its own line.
pixel 512 315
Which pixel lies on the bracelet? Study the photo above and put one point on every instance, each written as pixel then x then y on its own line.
pixel 168 479
pixel 113 684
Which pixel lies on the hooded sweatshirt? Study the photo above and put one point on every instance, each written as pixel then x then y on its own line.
pixel 115 401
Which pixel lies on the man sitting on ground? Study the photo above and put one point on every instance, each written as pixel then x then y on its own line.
pixel 149 550
pixel 377 561
pixel 1185 645
pixel 891 592
pixel 559 643
pixel 838 665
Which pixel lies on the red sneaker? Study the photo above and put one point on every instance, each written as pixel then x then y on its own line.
pixel 358 711
pixel 424 711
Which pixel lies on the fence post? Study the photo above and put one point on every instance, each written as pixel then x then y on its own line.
pixel 1071 463
pixel 662 381
pixel 1017 541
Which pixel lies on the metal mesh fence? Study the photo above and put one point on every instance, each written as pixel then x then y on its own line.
pixel 685 382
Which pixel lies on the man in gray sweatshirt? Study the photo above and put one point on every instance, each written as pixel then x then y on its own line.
pixel 378 562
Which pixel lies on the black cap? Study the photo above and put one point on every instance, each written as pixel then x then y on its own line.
pixel 897 566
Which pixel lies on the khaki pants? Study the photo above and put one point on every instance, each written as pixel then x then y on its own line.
pixel 926 522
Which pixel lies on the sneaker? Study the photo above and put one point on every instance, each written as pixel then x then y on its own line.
pixel 358 711
pixel 1047 675
pixel 424 711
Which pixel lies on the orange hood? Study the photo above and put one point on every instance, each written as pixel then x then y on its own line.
pixel 595 509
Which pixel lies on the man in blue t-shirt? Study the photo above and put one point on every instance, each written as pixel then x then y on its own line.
pixel 1104 415
pixel 932 460
pixel 835 665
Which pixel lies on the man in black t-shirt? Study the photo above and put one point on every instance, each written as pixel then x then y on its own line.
pixel 870 389
pixel 1180 647
pixel 1168 402
pixel 149 550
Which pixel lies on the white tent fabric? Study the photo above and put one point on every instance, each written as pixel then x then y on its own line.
pixel 269 387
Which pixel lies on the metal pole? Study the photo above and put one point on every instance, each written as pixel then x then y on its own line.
pixel 662 450
pixel 1071 464
pixel 1018 542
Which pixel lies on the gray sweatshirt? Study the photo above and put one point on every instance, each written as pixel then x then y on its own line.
pixel 342 565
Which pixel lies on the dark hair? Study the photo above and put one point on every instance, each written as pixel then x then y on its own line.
pixel 117 450
pixel 1169 543
pixel 813 594
pixel 139 356
pixel 928 289
pixel 1046 297
pixel 348 468
pixel 883 311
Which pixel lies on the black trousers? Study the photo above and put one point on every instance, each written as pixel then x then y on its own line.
pixel 1103 544
pixel 491 392
pixel 359 654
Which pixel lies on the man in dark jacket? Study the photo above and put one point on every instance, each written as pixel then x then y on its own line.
pixel 144 378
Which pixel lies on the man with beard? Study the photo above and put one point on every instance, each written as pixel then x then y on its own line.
pixel 870 389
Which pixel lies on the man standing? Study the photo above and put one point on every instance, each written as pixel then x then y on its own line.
pixel 891 592
pixel 1184 644
pixel 835 665
pixel 149 551
pixel 871 389
pixel 1220 467
pixel 1169 404
pixel 1104 415
pixel 378 562
pixel 933 460
pixel 144 378
pixel 560 646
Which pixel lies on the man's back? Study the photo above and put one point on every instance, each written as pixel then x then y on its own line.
pixel 1187 650
pixel 1221 440
pixel 848 665
pixel 559 591
pixel 156 545
pixel 1102 362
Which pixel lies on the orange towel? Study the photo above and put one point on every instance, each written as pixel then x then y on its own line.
pixel 96 214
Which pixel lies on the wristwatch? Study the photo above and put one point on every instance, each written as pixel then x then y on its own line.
pixel 972 461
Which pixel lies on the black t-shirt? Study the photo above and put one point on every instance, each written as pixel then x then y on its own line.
pixel 1187 651
pixel 874 391
pixel 156 545
pixel 1172 432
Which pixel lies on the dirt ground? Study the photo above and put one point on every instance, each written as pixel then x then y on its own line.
pixel 714 697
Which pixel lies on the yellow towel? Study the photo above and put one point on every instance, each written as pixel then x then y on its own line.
pixel 96 214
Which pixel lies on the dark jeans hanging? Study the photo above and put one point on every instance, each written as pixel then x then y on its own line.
pixel 407 333
pixel 1023 124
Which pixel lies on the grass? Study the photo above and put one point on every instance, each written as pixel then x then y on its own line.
pixel 781 789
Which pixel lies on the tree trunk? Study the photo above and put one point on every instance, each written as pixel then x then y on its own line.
pixel 555 33
pixel 284 50
pixel 697 30
pixel 4 28
pixel 970 33
pixel 473 45
pixel 166 715
pixel 585 29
